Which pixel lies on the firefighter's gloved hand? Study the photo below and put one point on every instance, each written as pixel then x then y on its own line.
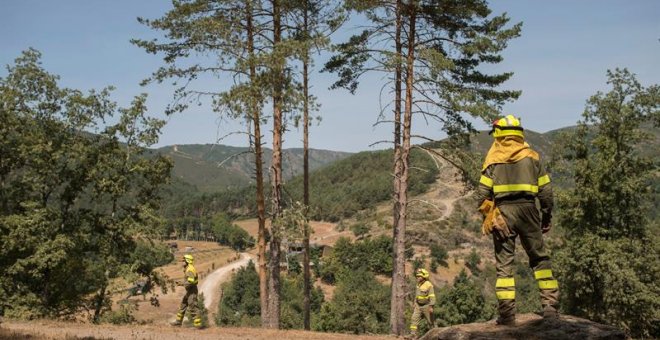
pixel 546 223
pixel 546 227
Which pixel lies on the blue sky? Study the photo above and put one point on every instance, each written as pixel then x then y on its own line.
pixel 559 61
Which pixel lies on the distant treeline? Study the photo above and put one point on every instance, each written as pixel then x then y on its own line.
pixel 337 191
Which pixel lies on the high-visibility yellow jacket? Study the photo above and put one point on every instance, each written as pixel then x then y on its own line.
pixel 522 181
pixel 424 295
pixel 191 276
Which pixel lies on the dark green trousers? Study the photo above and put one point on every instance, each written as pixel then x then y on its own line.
pixel 189 303
pixel 524 220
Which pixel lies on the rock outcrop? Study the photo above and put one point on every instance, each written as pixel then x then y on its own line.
pixel 529 326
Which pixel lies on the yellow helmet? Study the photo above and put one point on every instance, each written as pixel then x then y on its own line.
pixel 421 272
pixel 507 126
pixel 188 258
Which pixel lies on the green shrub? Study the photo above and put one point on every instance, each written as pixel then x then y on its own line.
pixel 360 305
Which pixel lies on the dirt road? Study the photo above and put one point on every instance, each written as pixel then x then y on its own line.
pixel 211 283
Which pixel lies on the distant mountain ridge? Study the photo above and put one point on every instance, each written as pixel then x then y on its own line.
pixel 216 167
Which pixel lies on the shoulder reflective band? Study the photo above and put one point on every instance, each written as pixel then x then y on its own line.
pixel 504 282
pixel 543 274
pixel 543 180
pixel 486 181
pixel 548 284
pixel 515 187
pixel 506 295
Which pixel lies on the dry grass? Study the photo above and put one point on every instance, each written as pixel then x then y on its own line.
pixel 208 257
pixel 47 330
pixel 6 334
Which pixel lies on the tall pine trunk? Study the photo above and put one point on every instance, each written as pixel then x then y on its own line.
pixel 259 172
pixel 276 176
pixel 306 270
pixel 401 205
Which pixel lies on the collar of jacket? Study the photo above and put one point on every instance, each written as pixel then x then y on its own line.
pixel 508 149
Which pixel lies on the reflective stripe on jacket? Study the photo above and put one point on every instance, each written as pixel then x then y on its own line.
pixel 191 276
pixel 424 294
pixel 517 182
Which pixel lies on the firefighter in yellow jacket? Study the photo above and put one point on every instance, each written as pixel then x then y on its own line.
pixel 512 180
pixel 189 301
pixel 424 302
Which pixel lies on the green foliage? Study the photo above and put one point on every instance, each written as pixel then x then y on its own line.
pixel 230 234
pixel 528 299
pixel 122 316
pixel 612 281
pixel 359 182
pixel 292 302
pixel 611 192
pixel 361 305
pixel 76 195
pixel 293 265
pixel 203 312
pixel 462 303
pixel 473 261
pixel 607 270
pixel 360 229
pixel 148 255
pixel 439 257
pixel 239 305
pixel 374 254
pixel 337 191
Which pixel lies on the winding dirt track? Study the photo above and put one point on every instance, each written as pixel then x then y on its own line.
pixel 210 285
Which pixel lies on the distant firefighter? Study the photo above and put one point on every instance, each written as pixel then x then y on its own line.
pixel 424 302
pixel 189 301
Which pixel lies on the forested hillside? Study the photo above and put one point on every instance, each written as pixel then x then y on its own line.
pixel 346 184
pixel 215 167
pixel 339 190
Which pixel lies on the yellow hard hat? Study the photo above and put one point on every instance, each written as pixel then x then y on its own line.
pixel 507 126
pixel 188 258
pixel 421 272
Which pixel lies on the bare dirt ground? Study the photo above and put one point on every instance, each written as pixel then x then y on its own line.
pixel 211 284
pixel 42 330
pixel 323 233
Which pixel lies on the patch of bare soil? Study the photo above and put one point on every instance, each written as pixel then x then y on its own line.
pixel 323 233
pixel 42 330
pixel 529 326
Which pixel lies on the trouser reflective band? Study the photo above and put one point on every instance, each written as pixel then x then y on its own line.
pixel 543 274
pixel 505 282
pixel 197 322
pixel 506 295
pixel 413 327
pixel 179 316
pixel 548 284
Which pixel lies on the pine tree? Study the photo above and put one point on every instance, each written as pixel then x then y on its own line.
pixel 438 48
pixel 250 41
